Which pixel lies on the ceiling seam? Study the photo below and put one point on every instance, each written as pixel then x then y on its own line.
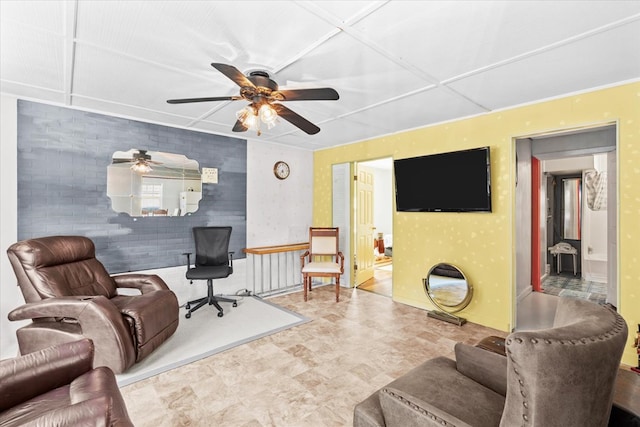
pixel 307 50
pixel 291 60
pixel 122 104
pixel 70 30
pixel 318 11
pixel 47 89
pixel 140 59
pixel 546 48
pixel 361 38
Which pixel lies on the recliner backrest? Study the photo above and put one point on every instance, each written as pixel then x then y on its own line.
pixel 212 245
pixel 58 266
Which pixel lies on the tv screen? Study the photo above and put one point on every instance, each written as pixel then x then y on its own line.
pixel 458 181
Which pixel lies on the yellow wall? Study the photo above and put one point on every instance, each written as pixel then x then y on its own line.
pixel 482 244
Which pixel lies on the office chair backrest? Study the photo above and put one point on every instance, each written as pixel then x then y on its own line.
pixel 212 245
pixel 323 241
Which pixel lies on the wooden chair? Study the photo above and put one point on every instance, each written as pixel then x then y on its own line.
pixel 323 259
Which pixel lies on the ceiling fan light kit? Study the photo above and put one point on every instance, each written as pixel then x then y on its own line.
pixel 141 167
pixel 265 97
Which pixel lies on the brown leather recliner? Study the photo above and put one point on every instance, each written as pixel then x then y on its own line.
pixel 57 386
pixel 70 296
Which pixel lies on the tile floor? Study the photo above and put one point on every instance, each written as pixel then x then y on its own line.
pixel 570 286
pixel 310 375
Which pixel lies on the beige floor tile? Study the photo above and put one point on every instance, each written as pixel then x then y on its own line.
pixel 310 375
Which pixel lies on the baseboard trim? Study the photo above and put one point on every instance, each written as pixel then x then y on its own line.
pixel 525 293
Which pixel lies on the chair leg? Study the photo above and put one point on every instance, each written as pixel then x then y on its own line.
pixel 338 289
pixel 304 285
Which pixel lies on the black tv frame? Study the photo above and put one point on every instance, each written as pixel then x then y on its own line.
pixel 401 202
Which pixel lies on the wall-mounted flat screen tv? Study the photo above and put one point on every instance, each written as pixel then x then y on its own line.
pixel 457 181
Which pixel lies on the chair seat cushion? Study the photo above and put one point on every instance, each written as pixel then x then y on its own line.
pixel 209 272
pixel 321 267
pixel 149 315
pixel 435 393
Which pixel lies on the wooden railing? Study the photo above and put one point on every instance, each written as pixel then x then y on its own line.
pixel 274 269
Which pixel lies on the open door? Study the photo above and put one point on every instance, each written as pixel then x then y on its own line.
pixel 364 258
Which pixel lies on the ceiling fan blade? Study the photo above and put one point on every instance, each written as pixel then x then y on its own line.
pixel 234 74
pixel 239 127
pixel 214 98
pixel 318 94
pixel 116 161
pixel 296 119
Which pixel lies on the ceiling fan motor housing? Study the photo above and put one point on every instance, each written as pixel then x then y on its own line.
pixel 263 88
pixel 141 155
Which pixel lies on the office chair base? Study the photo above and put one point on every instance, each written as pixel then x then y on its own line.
pixel 210 299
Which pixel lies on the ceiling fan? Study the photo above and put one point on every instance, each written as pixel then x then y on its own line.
pixel 264 100
pixel 141 162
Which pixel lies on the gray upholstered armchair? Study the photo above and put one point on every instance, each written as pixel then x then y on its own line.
pixel 57 386
pixel 561 376
pixel 69 295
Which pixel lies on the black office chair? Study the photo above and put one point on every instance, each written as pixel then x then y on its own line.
pixel 213 261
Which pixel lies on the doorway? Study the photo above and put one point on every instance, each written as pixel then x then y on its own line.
pixel 367 221
pixel 566 245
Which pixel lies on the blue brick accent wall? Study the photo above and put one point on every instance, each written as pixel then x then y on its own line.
pixel 63 156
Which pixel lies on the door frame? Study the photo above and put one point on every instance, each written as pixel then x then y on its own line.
pixel 616 216
pixel 348 222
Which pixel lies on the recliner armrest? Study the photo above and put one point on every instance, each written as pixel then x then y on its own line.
pixel 143 282
pixel 482 366
pixel 99 319
pixel 33 374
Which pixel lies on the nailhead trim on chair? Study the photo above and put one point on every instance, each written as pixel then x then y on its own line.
pixel 418 408
pixel 617 326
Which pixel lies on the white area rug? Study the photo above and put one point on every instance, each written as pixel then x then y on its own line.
pixel 386 267
pixel 205 334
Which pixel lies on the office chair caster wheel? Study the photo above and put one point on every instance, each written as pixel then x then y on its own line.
pixel 188 315
pixel 220 314
pixel 235 304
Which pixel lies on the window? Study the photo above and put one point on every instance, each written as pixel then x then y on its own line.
pixel 151 197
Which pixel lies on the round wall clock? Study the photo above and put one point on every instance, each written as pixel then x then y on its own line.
pixel 281 170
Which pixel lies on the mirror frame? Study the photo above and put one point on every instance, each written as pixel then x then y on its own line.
pixel 447 311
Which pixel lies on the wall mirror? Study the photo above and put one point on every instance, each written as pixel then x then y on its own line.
pixel 449 290
pixel 153 183
pixel 571 204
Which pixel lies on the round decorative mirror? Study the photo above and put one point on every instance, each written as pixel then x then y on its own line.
pixel 448 289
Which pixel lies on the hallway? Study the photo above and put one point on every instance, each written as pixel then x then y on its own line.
pixel 381 283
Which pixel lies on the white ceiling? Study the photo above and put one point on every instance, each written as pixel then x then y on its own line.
pixel 397 65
